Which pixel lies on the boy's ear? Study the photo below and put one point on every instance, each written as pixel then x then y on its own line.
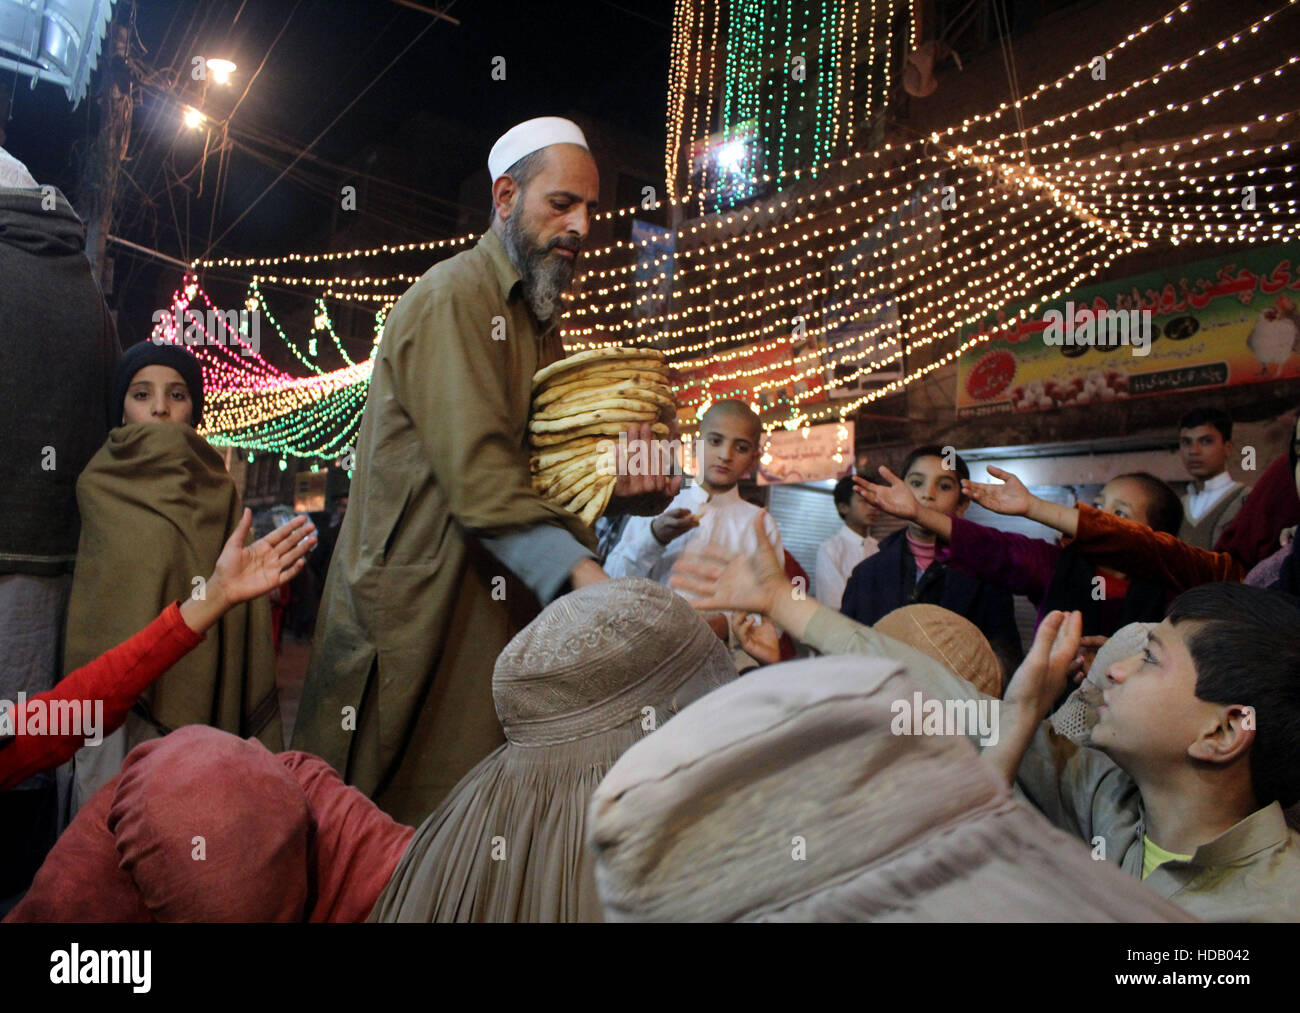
pixel 1228 736
pixel 842 509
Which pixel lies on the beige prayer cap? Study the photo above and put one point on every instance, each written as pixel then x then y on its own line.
pixel 1075 718
pixel 785 796
pixel 529 136
pixel 596 657
pixel 952 640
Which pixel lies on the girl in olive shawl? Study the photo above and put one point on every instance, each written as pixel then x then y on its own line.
pixel 156 507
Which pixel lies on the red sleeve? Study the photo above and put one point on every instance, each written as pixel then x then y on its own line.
pixel 355 847
pixel 1137 551
pixel 114 679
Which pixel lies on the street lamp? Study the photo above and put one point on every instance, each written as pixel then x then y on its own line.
pixel 193 118
pixel 221 70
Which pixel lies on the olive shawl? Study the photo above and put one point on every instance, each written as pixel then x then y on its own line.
pixel 157 505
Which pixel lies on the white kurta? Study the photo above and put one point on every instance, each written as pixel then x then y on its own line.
pixel 1197 502
pixel 836 558
pixel 726 522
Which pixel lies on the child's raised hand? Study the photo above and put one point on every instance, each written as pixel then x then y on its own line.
pixel 895 498
pixel 244 572
pixel 723 582
pixel 1042 676
pixel 673 524
pixel 758 637
pixel 1010 498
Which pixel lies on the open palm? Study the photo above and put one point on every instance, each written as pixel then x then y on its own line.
pixel 1010 498
pixel 1042 676
pixel 895 498
pixel 246 571
pixel 723 582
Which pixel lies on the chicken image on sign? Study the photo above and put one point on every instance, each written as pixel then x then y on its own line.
pixel 1215 323
pixel 811 454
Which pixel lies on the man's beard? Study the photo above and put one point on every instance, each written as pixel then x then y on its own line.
pixel 546 275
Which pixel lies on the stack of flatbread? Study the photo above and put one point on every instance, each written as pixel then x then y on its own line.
pixel 580 405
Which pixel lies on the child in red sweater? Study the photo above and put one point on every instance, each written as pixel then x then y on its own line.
pixel 93 701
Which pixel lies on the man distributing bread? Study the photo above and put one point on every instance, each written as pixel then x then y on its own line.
pixel 448 548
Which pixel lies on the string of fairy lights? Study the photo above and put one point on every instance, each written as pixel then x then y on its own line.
pixel 870 264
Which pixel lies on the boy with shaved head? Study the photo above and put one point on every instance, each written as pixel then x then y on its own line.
pixel 709 511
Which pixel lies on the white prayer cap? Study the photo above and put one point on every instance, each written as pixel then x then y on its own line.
pixel 530 136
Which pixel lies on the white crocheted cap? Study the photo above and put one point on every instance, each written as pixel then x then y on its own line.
pixel 1074 718
pixel 529 136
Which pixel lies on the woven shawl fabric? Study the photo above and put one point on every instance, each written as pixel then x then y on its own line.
pixel 594 673
pixel 787 797
pixel 157 505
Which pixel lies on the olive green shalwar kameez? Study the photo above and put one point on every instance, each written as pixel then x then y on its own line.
pixel 446 550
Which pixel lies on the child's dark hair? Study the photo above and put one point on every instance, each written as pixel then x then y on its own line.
pixel 1165 509
pixel 934 450
pixel 1216 417
pixel 1246 651
pixel 844 491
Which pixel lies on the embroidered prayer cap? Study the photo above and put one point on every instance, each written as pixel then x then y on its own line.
pixel 952 640
pixel 788 796
pixel 596 657
pixel 1075 718
pixel 529 136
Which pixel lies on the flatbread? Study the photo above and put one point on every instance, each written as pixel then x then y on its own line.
pixel 589 418
pixel 554 478
pixel 565 410
pixel 582 388
pixel 596 505
pixel 545 481
pixel 573 485
pixel 543 459
pixel 610 429
pixel 601 375
pixel 656 392
pixel 650 356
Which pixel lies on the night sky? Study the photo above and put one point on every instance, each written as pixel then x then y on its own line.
pixel 588 57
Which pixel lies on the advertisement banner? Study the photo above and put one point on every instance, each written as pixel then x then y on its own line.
pixel 810 454
pixel 1215 323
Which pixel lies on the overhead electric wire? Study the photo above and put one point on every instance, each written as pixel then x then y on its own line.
pixel 375 80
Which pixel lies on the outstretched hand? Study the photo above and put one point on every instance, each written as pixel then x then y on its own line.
pixel 1042 676
pixel 244 572
pixel 895 498
pixel 721 582
pixel 1010 498
pixel 757 636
